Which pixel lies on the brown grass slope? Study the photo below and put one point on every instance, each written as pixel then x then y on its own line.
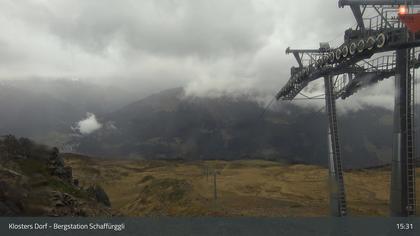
pixel 244 188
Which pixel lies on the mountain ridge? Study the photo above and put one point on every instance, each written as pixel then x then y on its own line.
pixel 170 125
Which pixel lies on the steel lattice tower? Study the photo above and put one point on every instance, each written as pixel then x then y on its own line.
pixel 348 64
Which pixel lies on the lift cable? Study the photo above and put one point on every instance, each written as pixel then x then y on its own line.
pixel 309 98
pixel 316 97
pixel 266 108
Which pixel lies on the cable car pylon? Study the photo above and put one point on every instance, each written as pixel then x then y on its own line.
pixel 387 32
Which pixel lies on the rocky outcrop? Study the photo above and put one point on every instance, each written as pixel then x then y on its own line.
pixel 10 200
pixel 57 168
pixel 99 194
pixel 34 181
pixel 64 204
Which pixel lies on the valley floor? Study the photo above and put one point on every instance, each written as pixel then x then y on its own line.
pixel 244 188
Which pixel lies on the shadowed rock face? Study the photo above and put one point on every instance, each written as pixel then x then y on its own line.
pixel 99 194
pixel 10 204
pixel 34 181
pixel 57 168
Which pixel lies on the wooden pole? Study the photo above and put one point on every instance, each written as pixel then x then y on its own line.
pixel 214 184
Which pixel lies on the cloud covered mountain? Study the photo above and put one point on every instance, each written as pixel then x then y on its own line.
pixel 87 118
pixel 50 111
pixel 171 125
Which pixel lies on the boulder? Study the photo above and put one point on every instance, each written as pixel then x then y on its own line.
pixel 99 194
pixel 64 204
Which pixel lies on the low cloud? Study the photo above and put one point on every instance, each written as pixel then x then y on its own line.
pixel 151 45
pixel 88 125
pixel 210 48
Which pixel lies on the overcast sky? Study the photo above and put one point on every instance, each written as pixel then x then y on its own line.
pixel 206 46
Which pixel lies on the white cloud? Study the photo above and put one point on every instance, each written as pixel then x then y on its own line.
pixel 210 47
pixel 88 125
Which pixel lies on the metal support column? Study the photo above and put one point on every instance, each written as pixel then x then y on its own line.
pixel 337 194
pixel 403 160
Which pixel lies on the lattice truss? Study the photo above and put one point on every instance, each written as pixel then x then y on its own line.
pixel 366 56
